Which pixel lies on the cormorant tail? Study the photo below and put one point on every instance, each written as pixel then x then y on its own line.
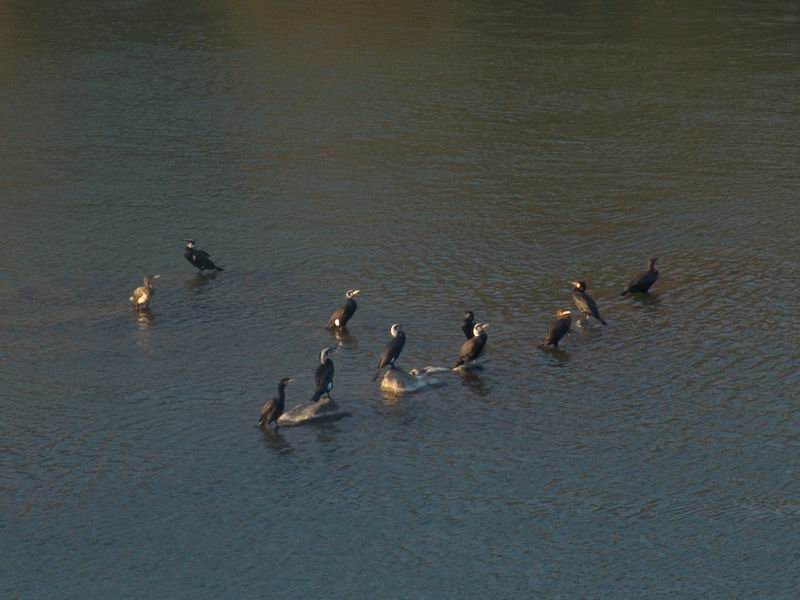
pixel 218 268
pixel 602 321
pixel 316 396
pixel 626 292
pixel 374 377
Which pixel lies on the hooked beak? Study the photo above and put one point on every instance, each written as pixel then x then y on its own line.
pixel 290 380
pixel 156 276
pixel 356 292
pixel 485 325
pixel 574 284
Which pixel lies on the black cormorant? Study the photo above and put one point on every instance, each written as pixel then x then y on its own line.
pixel 473 348
pixel 199 258
pixel 273 409
pixel 558 329
pixel 142 295
pixel 323 377
pixel 343 314
pixel 585 302
pixel 392 350
pixel 644 281
pixel 468 324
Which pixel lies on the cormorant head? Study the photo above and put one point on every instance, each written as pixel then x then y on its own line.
pixel 469 315
pixel 560 314
pixel 479 327
pixel 579 285
pixel 395 329
pixel 148 280
pixel 351 293
pixel 286 381
pixel 326 353
pixel 189 243
pixel 653 262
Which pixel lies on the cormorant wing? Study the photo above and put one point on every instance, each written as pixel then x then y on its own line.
pixel 336 316
pixel 267 411
pixel 392 350
pixel 323 376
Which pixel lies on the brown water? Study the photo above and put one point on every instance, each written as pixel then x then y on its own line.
pixel 439 156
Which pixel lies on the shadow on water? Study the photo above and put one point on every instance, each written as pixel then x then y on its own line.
pixel 200 280
pixel 275 441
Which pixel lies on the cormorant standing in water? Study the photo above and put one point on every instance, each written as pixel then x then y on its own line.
pixel 392 350
pixel 141 296
pixel 468 324
pixel 343 314
pixel 273 409
pixel 644 281
pixel 585 302
pixel 558 329
pixel 199 258
pixel 323 377
pixel 473 348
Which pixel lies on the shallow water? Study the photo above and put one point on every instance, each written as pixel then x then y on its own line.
pixel 440 157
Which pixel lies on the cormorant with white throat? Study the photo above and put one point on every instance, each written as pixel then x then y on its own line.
pixel 644 281
pixel 142 295
pixel 343 314
pixel 273 409
pixel 468 324
pixel 392 350
pixel 472 349
pixel 584 302
pixel 199 258
pixel 323 377
pixel 558 329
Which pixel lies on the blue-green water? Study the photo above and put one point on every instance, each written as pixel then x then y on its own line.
pixel 439 157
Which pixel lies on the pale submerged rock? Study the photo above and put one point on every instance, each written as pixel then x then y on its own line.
pixel 397 381
pixel 311 412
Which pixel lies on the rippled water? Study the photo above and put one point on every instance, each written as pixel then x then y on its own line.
pixel 439 156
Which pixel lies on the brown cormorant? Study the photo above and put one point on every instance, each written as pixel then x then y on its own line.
pixel 273 409
pixel 199 258
pixel 392 350
pixel 472 349
pixel 558 329
pixel 644 281
pixel 141 296
pixel 585 302
pixel 323 377
pixel 343 314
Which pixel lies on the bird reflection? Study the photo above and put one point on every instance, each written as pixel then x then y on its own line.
pixel 472 380
pixel 344 338
pixel 562 356
pixel 200 280
pixel 275 441
pixel 145 318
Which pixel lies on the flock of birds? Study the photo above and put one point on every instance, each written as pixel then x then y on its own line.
pixel 471 349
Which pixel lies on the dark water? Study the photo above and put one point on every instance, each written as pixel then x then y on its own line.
pixel 439 156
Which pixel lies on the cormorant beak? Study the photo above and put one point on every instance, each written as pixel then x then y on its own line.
pixel 156 276
pixel 356 292
pixel 290 380
pixel 484 325
pixel 575 284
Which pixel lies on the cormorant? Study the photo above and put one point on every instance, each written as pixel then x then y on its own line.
pixel 473 348
pixel 343 314
pixel 392 350
pixel 273 409
pixel 585 302
pixel 199 258
pixel 323 377
pixel 644 281
pixel 558 329
pixel 141 296
pixel 468 324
